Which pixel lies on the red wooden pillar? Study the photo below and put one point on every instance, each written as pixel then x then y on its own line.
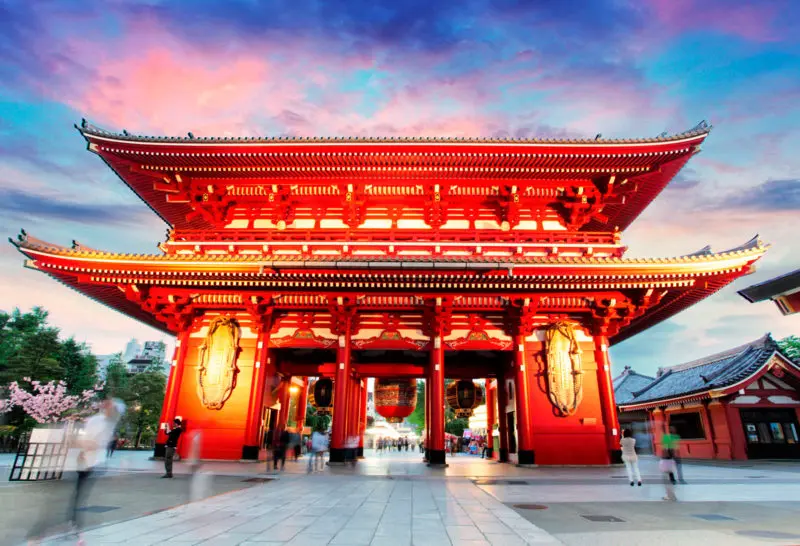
pixel 607 403
pixel 363 418
pixel 736 430
pixel 522 382
pixel 427 436
pixel 173 389
pixel 252 438
pixel 283 413
pixel 436 453
pixel 502 417
pixel 341 386
pixel 354 398
pixel 302 407
pixel 491 417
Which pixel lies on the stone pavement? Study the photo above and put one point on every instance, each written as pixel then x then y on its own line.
pixel 328 509
pixel 394 499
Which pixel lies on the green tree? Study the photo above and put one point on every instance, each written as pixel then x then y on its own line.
pixel 116 378
pixel 316 422
pixel 144 395
pixel 80 366
pixel 28 347
pixel 454 425
pixel 417 418
pixel 790 346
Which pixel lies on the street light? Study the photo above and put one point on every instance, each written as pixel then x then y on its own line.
pixel 294 389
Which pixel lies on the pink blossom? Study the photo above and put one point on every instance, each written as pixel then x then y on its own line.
pixel 48 402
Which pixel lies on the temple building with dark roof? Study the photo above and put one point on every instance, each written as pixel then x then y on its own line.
pixel 738 404
pixel 783 290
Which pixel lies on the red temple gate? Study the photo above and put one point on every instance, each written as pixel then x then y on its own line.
pixel 392 258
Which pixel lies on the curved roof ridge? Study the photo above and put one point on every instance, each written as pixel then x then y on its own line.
pixel 86 128
pixel 722 355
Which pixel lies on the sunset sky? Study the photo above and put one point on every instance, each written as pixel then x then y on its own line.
pixel 470 68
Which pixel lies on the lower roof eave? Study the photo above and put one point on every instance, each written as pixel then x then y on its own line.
pixel 666 402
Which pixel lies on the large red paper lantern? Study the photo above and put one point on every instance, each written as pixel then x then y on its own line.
pixel 320 395
pixel 395 399
pixel 464 396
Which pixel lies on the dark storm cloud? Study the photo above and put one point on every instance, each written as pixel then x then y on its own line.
pixel 19 204
pixel 778 195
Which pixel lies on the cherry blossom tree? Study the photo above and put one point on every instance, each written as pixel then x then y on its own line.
pixel 49 402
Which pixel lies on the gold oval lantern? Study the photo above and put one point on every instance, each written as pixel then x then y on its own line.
pixel 464 396
pixel 564 368
pixel 216 374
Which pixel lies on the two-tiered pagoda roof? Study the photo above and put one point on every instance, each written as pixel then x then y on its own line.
pixel 392 223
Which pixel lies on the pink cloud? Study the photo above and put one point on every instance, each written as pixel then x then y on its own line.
pixel 168 86
pixel 754 21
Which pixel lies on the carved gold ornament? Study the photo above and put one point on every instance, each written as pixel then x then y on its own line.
pixel 216 374
pixel 564 369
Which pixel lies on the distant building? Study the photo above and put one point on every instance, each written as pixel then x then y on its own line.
pixel 152 353
pixel 132 350
pixel 742 403
pixel 102 365
pixel 783 290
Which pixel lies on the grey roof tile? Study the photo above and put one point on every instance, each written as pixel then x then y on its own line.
pixel 699 376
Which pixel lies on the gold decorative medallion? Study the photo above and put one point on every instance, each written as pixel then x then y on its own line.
pixel 564 370
pixel 216 374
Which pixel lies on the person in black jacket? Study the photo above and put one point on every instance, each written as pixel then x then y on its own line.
pixel 172 443
pixel 279 454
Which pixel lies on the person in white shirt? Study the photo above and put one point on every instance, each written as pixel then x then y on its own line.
pixel 629 456
pixel 92 442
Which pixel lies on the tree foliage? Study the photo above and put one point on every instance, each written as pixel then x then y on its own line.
pixel 316 422
pixel 417 418
pixel 116 377
pixel 28 347
pixel 80 366
pixel 144 395
pixel 790 346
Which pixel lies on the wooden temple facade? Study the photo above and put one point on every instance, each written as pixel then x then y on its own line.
pixel 742 403
pixel 394 258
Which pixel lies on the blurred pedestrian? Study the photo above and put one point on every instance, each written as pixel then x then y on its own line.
pixel 319 444
pixel 173 435
pixel 296 448
pixel 671 442
pixel 112 446
pixel 200 482
pixel 279 452
pixel 629 456
pixel 91 441
pixel 667 468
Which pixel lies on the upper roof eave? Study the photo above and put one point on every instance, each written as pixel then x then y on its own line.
pixel 90 131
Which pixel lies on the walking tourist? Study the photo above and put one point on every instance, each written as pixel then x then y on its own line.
pixel 279 452
pixel 200 483
pixel 319 445
pixel 112 446
pixel 671 441
pixel 629 456
pixel 96 434
pixel 667 467
pixel 173 434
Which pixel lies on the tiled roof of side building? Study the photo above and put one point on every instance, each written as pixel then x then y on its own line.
pixel 714 372
pixel 629 382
